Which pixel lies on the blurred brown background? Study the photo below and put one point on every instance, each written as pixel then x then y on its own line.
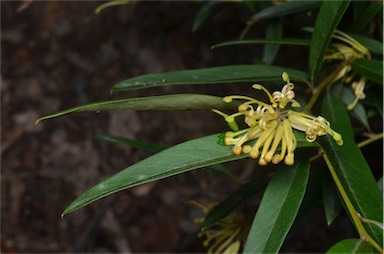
pixel 58 54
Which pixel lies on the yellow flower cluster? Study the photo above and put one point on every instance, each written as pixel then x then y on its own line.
pixel 225 235
pixel 347 52
pixel 272 125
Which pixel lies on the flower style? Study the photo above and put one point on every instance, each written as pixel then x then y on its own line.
pixel 347 52
pixel 223 236
pixel 272 124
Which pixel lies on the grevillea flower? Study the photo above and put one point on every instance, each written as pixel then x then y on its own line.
pixel 224 236
pixel 347 51
pixel 271 124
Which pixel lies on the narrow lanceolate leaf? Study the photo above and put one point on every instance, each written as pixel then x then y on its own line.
pixel 235 199
pixel 371 69
pixel 351 246
pixel 351 166
pixel 213 75
pixel 282 41
pixel 286 8
pixel 278 208
pixel 163 102
pixel 327 20
pixel 197 153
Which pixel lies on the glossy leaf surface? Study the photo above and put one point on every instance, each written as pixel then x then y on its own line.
pixel 351 246
pixel 327 20
pixel 351 166
pixel 163 102
pixel 213 75
pixel 278 208
pixel 197 153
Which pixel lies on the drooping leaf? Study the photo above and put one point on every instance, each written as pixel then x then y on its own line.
pixel 213 75
pixel 328 18
pixel 372 69
pixel 286 8
pixel 193 154
pixel 274 31
pixel 282 41
pixel 351 246
pixel 235 199
pixel 278 208
pixel 365 17
pixel 163 102
pixel 351 166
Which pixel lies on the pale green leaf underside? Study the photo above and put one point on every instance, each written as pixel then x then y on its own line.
pixel 193 154
pixel 212 75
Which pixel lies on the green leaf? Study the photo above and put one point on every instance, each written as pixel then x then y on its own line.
pixel 331 199
pixel 351 246
pixel 327 20
pixel 372 45
pixel 202 15
pixel 278 208
pixel 365 17
pixel 372 69
pixel 286 8
pixel 154 148
pixel 163 102
pixel 213 75
pixel 235 199
pixel 197 153
pixel 282 41
pixel 274 31
pixel 351 166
